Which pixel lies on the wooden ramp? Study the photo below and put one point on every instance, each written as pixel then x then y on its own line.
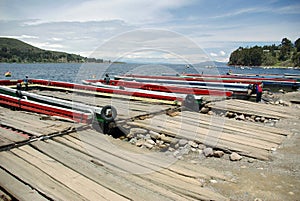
pixel 247 138
pixel 87 165
pixel 252 108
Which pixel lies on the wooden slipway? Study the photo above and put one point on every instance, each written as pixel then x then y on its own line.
pixel 249 139
pixel 252 108
pixel 60 163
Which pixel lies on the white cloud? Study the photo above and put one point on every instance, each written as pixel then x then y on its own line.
pixel 222 53
pixel 21 37
pixel 213 54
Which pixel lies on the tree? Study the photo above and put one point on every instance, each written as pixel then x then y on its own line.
pixel 285 50
pixel 297 44
pixel 296 59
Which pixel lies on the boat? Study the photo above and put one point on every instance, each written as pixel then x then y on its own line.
pixel 116 84
pixel 53 106
pixel 7 74
pixel 188 82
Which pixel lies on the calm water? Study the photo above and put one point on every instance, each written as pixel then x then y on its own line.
pixel 74 72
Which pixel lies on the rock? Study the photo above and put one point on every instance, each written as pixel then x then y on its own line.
pixel 240 117
pixel 250 160
pixel 140 142
pixel 150 141
pixel 136 131
pixel 193 149
pixel 201 146
pixel 148 145
pixel 154 135
pixel 133 140
pixel 262 119
pixel 258 199
pixel 218 154
pixel 210 112
pixel 208 152
pixel 147 137
pixel 182 142
pixel 204 110
pixel 281 91
pixel 176 153
pixel 257 118
pixel 213 181
pixel 140 136
pixel 229 114
pixel 235 157
pixel 253 117
pixel 193 144
pixel 171 149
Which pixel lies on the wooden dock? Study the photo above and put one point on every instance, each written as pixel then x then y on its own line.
pixel 82 165
pixel 51 158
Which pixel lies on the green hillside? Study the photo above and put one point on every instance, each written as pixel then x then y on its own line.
pixel 13 50
pixel 285 54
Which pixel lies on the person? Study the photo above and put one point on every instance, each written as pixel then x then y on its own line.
pixel 25 81
pixel 258 92
pixel 107 79
pixel 18 91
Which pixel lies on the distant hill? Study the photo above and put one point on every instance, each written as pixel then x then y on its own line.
pixel 285 54
pixel 13 50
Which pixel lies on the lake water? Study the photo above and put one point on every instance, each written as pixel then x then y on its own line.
pixel 75 72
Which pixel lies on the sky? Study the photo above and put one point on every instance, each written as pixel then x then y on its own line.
pixel 150 31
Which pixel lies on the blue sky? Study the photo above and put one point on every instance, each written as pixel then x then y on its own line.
pixel 210 27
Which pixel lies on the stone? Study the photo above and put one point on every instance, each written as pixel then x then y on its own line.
pixel 150 141
pixel 213 181
pixel 140 142
pixel 147 137
pixel 210 112
pixel 148 145
pixel 240 117
pixel 204 110
pixel 182 142
pixel 154 135
pixel 133 140
pixel 262 119
pixel 218 154
pixel 250 160
pixel 176 153
pixel 229 114
pixel 257 118
pixel 235 157
pixel 193 144
pixel 208 152
pixel 136 131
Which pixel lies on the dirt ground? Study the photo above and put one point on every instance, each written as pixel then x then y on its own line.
pixel 275 180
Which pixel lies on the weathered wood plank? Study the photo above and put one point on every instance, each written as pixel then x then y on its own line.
pixel 251 108
pixel 71 179
pixel 8 136
pixel 213 140
pixel 37 179
pixel 17 189
pixel 129 185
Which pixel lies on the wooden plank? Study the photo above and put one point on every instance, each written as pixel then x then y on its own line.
pixel 33 124
pixel 71 179
pixel 129 185
pixel 36 178
pixel 251 126
pixel 8 136
pixel 251 108
pixel 17 189
pixel 248 129
pixel 212 140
